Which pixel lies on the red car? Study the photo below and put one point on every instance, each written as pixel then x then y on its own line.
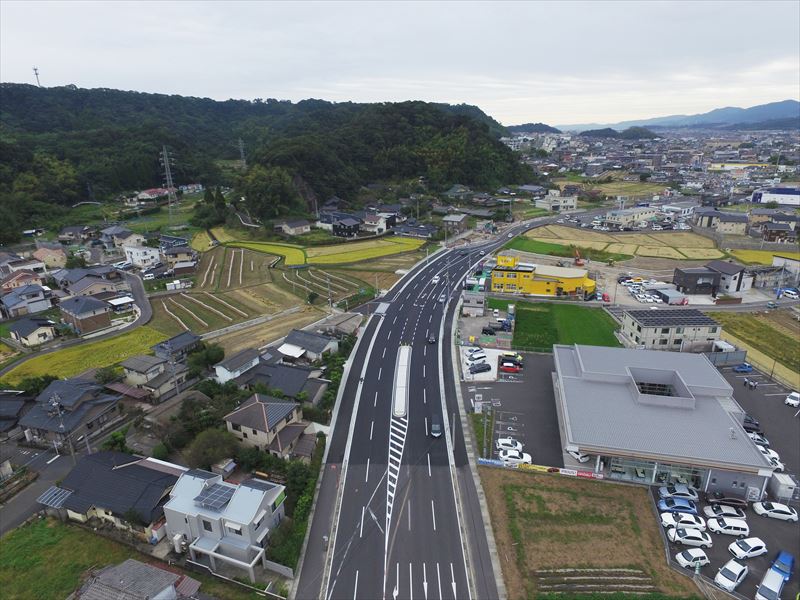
pixel 508 367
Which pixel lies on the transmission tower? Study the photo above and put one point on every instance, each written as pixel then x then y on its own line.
pixel 242 156
pixel 36 72
pixel 168 162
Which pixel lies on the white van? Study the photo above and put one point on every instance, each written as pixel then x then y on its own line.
pixel 791 294
pixel 149 276
pixel 728 526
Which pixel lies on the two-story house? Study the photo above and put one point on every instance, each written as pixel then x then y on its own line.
pixel 268 424
pixel 308 345
pixel 18 279
pixel 25 300
pixel 680 330
pixel 134 580
pixel 32 331
pixel 293 227
pixel 236 365
pixel 85 314
pixel 178 254
pixel 52 257
pixel 224 522
pixel 176 348
pixel 142 257
pixel 75 234
pixel 346 227
pixel 733 276
pixel 297 383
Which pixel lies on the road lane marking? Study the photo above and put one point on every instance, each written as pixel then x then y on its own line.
pixel 424 350
pixel 425 581
pixel 429 464
pixel 355 588
pixel 380 370
pixel 426 426
pixel 361 528
pixel 394 320
pixel 423 371
pixel 410 584
pixel 424 396
pixel 384 353
pixel 433 514
pixel 453 580
pixel 375 403
pixel 54 458
pixel 409 515
pixel 371 425
pixel 366 475
pixel 439 577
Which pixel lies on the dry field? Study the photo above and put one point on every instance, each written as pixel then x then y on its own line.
pixel 597 531
pixel 260 335
pixel 764 257
pixel 660 252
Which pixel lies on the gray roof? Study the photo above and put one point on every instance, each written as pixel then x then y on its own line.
pixel 777 227
pixel 69 391
pixel 308 340
pixel 781 217
pixel 142 363
pixel 129 580
pixel 672 317
pixel 725 267
pixel 347 222
pixel 604 412
pixel 288 379
pixel 16 296
pixel 26 326
pixel 11 404
pixel 80 305
pixel 239 359
pixel 178 343
pixel 261 412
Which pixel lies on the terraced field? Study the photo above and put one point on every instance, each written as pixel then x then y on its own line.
pixel 360 251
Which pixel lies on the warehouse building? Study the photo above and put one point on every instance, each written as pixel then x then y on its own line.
pixel 655 418
pixel 510 275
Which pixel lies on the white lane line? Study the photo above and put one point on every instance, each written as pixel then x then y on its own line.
pixel 433 514
pixel 425 580
pixel 424 350
pixel 375 403
pixel 371 425
pixel 453 580
pixel 394 320
pixel 426 426
pixel 429 464
pixel 57 456
pixel 409 515
pixel 380 370
pixel 355 589
pixel 439 577
pixel 384 353
pixel 366 475
pixel 424 396
pixel 429 318
pixel 410 583
pixel 423 371
pixel 361 528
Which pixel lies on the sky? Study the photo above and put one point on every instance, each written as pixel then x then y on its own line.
pixel 558 63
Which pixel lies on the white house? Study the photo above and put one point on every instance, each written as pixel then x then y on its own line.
pixel 236 365
pixel 142 257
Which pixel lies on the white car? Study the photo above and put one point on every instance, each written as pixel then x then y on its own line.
pixel 776 464
pixel 731 575
pixel 476 357
pixel 748 548
pixel 774 510
pixel 793 399
pixel 679 520
pixel 689 537
pixel 691 558
pixel 759 439
pixel 435 279
pixel 722 510
pixel 508 443
pixel 579 456
pixel 473 350
pixel 770 454
pixel 728 526
pixel 679 490
pixel 514 457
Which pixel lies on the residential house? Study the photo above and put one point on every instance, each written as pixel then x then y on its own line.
pixel 170 241
pixel 761 215
pixel 75 234
pixel 141 369
pixel 125 490
pixel 18 279
pixel 733 277
pixel 455 223
pixel 416 230
pixel 152 194
pixel 79 281
pixel 5 259
pixel 297 383
pixel 13 404
pixel 268 424
pixel 375 224
pixel 67 410
pixel 459 192
pixel 790 220
pixel 134 580
pixel 176 348
pixel 179 254
pixel 85 314
pixel 308 345
pixel 295 227
pixel 697 280
pixel 723 222
pixel 32 331
pixel 555 202
pixel 52 257
pixel 533 190
pixel 392 213
pixel 236 365
pixel 224 522
pixel 142 257
pixel 25 300
pixel 26 264
pixel 326 219
pixel 126 239
pixel 682 330
pixel 778 232
pixel 347 227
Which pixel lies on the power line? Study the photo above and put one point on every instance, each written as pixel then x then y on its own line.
pixel 168 162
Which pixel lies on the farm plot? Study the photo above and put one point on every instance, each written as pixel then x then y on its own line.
pixel 201 241
pixel 701 253
pixel 660 252
pixel 199 312
pixel 359 251
pixel 222 235
pixel 622 248
pixel 257 336
pixel 316 281
pixel 763 257
pixel 226 268
pixel 292 255
pixel 575 538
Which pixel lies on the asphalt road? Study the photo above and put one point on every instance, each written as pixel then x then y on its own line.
pixel 399 532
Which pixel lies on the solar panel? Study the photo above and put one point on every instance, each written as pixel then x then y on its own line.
pixel 672 317
pixel 54 497
pixel 215 497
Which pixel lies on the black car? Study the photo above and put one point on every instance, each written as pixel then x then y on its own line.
pixel 431 339
pixel 750 425
pixel 488 331
pixel 480 368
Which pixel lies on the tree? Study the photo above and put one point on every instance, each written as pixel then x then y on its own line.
pixel 269 192
pixel 210 447
pixel 106 375
pixel 312 296
pixel 160 451
pixel 75 261
pixel 33 386
pixel 203 358
pixel 133 517
pixel 772 204
pixel 117 441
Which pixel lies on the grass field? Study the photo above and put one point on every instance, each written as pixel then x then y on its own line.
pixel 628 188
pixel 47 559
pixel 763 257
pixel 201 241
pixel 764 334
pixel 198 311
pixel 563 249
pixel 292 255
pixel 544 522
pixel 540 325
pixel 76 359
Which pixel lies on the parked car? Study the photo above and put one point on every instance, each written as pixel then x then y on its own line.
pixel 480 368
pixel 775 510
pixel 743 368
pixel 579 456
pixel 793 399
pixel 473 349
pixel 759 439
pixel 772 305
pixel 514 356
pixel 476 357
pixel 783 564
pixel 677 505
pixel 730 575
pixel 679 490
pixel 748 548
pixel 692 558
pixel 682 520
pixel 771 586
pixel 507 367
pixel 729 526
pixel 508 443
pixel 723 510
pixel 689 537
pixel 728 501
pixel 514 457
pixel 488 331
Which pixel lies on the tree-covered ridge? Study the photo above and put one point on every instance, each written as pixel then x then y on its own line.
pixel 631 133
pixel 533 128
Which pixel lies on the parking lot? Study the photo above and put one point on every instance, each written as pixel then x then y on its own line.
pixel 524 408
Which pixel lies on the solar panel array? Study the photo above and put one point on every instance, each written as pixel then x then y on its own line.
pixel 672 317
pixel 54 497
pixel 215 497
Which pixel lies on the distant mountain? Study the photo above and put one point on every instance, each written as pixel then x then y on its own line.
pixel 720 117
pixel 771 124
pixel 532 128
pixel 632 133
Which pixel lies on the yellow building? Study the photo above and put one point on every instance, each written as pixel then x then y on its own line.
pixel 513 276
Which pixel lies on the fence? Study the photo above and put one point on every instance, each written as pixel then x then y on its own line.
pixel 724 359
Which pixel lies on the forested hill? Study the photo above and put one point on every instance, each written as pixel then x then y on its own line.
pixel 55 141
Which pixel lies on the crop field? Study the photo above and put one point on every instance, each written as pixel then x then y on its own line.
pixel 222 235
pixel 628 188
pixel 317 281
pixel 584 539
pixel 292 255
pixel 360 251
pixel 225 268
pixel 76 359
pixel 257 336
pixel 763 257
pixel 198 312
pixel 201 241
pixel 553 247
pixel 764 333
pixel 672 245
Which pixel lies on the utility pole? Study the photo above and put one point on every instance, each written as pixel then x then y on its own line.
pixel 330 298
pixel 167 162
pixel 55 402
pixel 36 73
pixel 242 156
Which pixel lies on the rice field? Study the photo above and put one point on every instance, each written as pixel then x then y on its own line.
pixel 201 241
pixel 292 255
pixel 359 251
pixel 199 312
pixel 762 257
pixel 659 252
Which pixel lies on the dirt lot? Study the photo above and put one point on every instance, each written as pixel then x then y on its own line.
pixel 600 536
pixel 261 335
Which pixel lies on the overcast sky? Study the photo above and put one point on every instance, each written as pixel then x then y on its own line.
pixel 559 63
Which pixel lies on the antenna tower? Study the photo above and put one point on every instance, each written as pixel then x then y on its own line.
pixel 242 156
pixel 36 72
pixel 168 162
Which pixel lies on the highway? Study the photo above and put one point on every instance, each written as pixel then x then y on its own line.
pixel 399 531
